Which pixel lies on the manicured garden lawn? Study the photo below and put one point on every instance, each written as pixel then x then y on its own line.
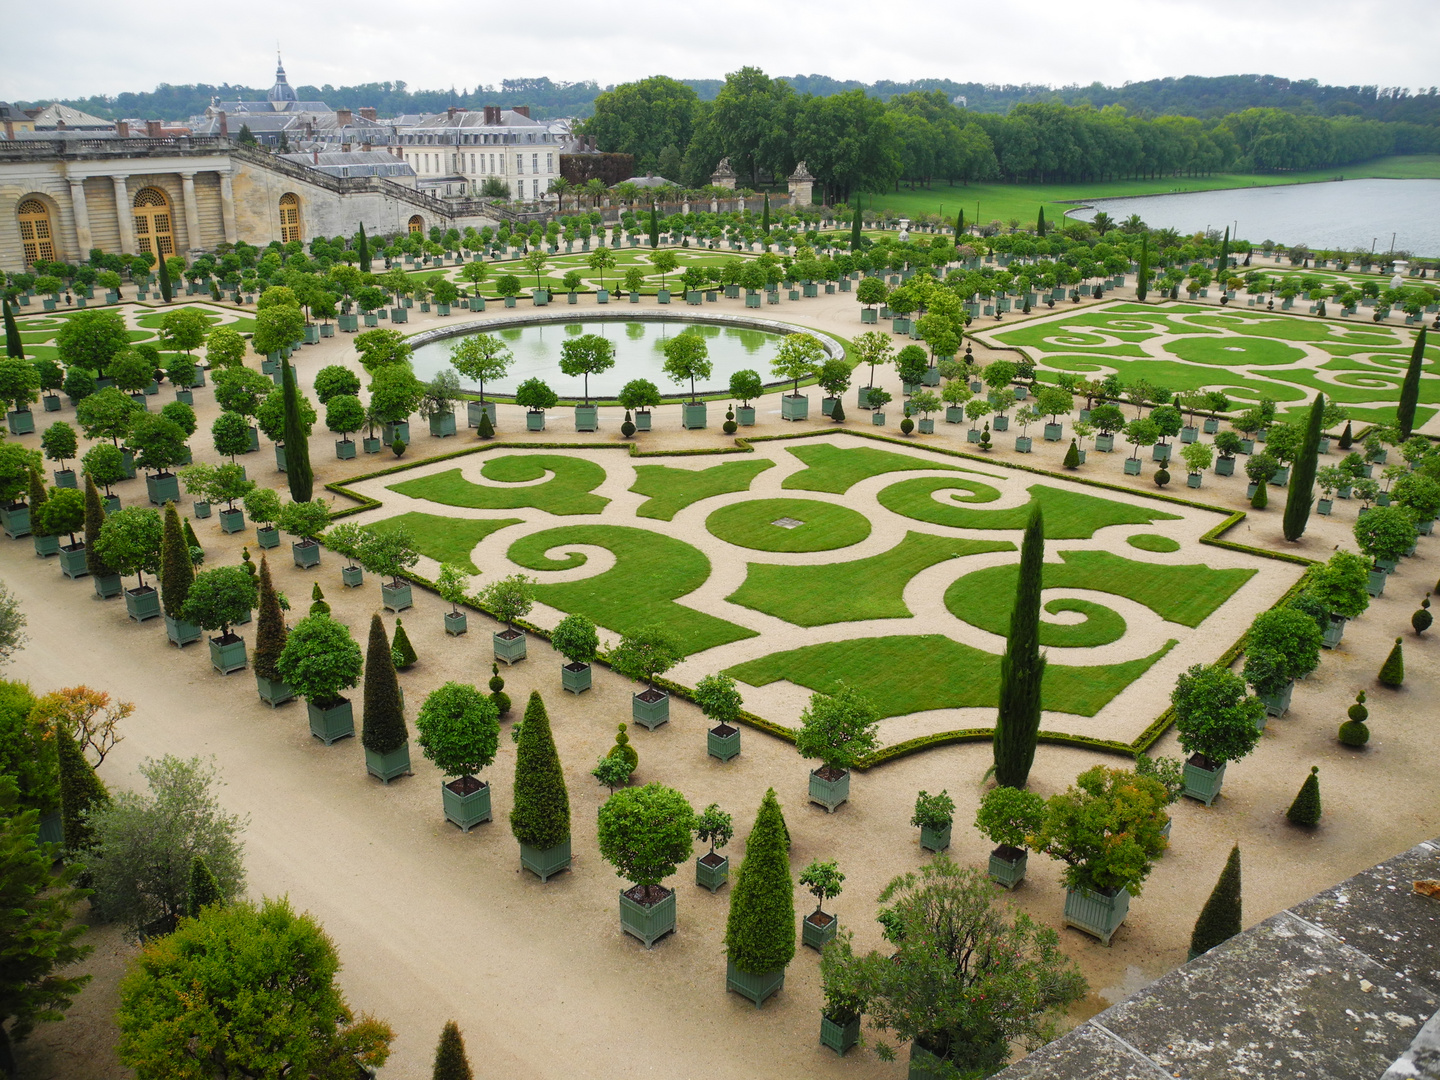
pixel 836 469
pixel 651 571
pixel 870 588
pixel 444 539
pixel 823 526
pixel 1187 595
pixel 1153 542
pixel 1069 515
pixel 908 674
pixel 670 490
pixel 566 492
pixel 1228 351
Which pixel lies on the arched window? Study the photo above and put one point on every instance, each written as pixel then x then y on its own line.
pixel 289 218
pixel 417 224
pixel 35 231
pixel 154 232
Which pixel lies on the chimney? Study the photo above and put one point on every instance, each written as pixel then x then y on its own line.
pixel 366 146
pixel 450 113
pixel 122 128
pixel 344 117
pixel 9 129
pixel 344 147
pixel 224 125
pixel 59 124
pixel 523 110
pixel 152 129
pixel 368 113
pixel 316 159
pixel 492 115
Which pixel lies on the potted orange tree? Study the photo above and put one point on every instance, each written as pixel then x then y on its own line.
pixel 715 827
pixel 129 542
pixel 319 662
pixel 509 599
pixel 644 655
pixel 1008 817
pixel 219 599
pixel 721 703
pixel 839 729
pixel 645 833
pixel 574 638
pixel 824 880
pixel 459 730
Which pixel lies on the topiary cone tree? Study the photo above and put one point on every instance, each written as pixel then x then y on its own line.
pixel 94 519
pixel 760 929
pixel 384 718
pixel 204 889
pixel 270 628
pixel 401 651
pixel 177 572
pixel 1302 474
pixel 1392 672
pixel 540 817
pixel 1220 918
pixel 450 1060
pixel 297 439
pixel 1022 667
pixel 1305 810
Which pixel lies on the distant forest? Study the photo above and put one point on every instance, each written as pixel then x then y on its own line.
pixel 1191 95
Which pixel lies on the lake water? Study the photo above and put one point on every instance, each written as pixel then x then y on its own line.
pixel 1349 214
pixel 638 355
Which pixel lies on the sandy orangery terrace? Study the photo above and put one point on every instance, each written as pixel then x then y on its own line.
pixel 839 556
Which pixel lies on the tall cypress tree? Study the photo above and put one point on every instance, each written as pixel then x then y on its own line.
pixel 1302 475
pixel 1142 282
pixel 959 224
pixel 1222 264
pixel 450 1060
pixel 765 216
pixel 36 499
pixel 177 572
pixel 164 276
pixel 384 718
pixel 1220 918
pixel 1040 223
pixel 855 226
pixel 13 345
pixel 760 929
pixel 297 442
pixel 204 890
pixel 1017 722
pixel 1410 388
pixel 94 518
pixel 270 630
pixel 81 792
pixel 654 228
pixel 540 816
pixel 364 251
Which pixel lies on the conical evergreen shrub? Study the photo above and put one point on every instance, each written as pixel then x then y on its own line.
pixel 36 497
pixel 81 792
pixel 204 889
pixel 760 930
pixel 838 413
pixel 1300 498
pixel 1220 918
pixel 498 697
pixel 270 630
pixel 1353 731
pixel 1305 810
pixel 541 814
pixel 1392 672
pixel 623 749
pixel 485 430
pixel 1422 618
pixel 1261 499
pixel 627 426
pixel 1017 721
pixel 450 1060
pixel 191 540
pixel 94 518
pixel 177 572
pixel 164 269
pixel 384 719
pixel 404 652
pixel 318 606
pixel 1347 437
pixel 1072 456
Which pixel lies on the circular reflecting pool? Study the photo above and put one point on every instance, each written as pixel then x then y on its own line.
pixel 639 345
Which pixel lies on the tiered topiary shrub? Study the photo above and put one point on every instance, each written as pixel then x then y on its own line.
pixel 1353 731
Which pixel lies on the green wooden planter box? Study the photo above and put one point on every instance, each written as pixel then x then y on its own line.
pixel 273 692
pixel 45 546
pixel 396 598
pixel 934 839
pixel 473 410
pixel 344 449
pixel 267 536
pixel 815 935
pixel 22 422
pixel 306 554
pixel 877 419
pixel 352 577
pixel 1210 426
pixel 442 425
pixel 107 586
pixel 927 426
pixel 1006 867
pixel 721 745
pixel 336 722
pixel 111 503
pixel 1189 434
pixel 650 714
pixel 794 407
pixel 72 562
pixel 143 603
pixel 755 987
pixel 1278 704
pixel 745 415
pixel 466 811
pixel 15 520
pixel 535 420
pixel 545 863
pixel 351 323
pixel 387 767
pixel 232 521
pixel 1225 466
pixel 712 875
pixel 1160 452
pixel 643 418
pixel 575 677
pixel 228 656
pixel 66 478
pixel 1132 466
pixel 181 633
pixel 829 793
pixel 1203 784
pixel 648 924
pixel 1022 444
pixel 52 829
pixel 1331 635
pixel 693 415
pixel 510 649
pixel 400 429
pixel 923 1064
pixel 869 316
pixel 1095 912
pixel 587 418
pixel 455 623
pixel 839 1037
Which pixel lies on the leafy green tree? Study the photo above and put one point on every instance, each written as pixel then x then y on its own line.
pixel 38 934
pixel 130 542
pixel 389 552
pixel 481 357
pixel 714 826
pixel 145 841
pixel 384 716
pixel 184 329
pixel 219 598
pixel 106 414
pixel 320 660
pixel 687 356
pixel 333 381
pixel 1220 919
pixel 241 390
pixel 381 348
pixel 224 349
pixel 459 729
pixel 760 927
pixel 450 1060
pixel 646 654
pixel 395 393
pixel 1106 829
pixel 278 327
pixel 509 598
pixel 798 356
pixel 91 339
pixel 540 817
pixel 719 699
pixel 1022 666
pixel 645 833
pixel 839 729
pixel 824 879
pixel 19 383
pixel 261 1000
pixel 1214 717
pixel 574 638
pixel 204 889
pixel 586 355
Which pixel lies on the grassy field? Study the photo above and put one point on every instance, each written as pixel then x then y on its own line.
pixel 444 539
pixel 566 492
pixel 1152 542
pixel 671 489
pixel 823 526
pixel 1069 515
pixel 835 470
pixel 1023 201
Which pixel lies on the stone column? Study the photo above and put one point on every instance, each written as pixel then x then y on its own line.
pixel 227 206
pixel 192 210
pixel 123 212
pixel 82 217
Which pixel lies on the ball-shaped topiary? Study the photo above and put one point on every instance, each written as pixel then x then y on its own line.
pixel 627 426
pixel 459 729
pixel 1422 618
pixel 1162 476
pixel 497 691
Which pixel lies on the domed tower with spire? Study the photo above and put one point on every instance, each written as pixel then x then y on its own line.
pixel 282 94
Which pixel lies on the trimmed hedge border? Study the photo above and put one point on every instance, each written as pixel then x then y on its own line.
pixel 894 752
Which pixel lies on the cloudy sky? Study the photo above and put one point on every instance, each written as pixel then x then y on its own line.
pixel 100 47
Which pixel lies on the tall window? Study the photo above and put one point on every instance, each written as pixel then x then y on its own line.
pixel 549 162
pixel 535 163
pixel 289 218
pixel 154 233
pixel 519 164
pixel 417 224
pixel 35 231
